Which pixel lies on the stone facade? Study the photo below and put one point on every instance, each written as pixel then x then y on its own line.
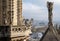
pixel 11 12
pixel 11 20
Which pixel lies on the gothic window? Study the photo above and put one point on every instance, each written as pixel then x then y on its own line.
pixel 3 9
pixel 13 29
pixel 19 29
pixel 9 5
pixel 16 29
pixel 9 12
pixel 12 12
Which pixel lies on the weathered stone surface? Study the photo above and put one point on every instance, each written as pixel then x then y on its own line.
pixel 11 15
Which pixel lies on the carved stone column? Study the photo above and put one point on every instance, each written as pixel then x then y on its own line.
pixel 50 15
pixel 50 23
pixel 19 15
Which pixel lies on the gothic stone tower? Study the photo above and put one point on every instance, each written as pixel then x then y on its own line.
pixel 10 12
pixel 11 27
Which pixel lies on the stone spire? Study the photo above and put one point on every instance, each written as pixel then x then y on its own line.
pixel 50 15
pixel 50 23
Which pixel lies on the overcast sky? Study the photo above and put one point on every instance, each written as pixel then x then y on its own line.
pixel 37 9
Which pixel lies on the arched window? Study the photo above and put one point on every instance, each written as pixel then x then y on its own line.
pixel 19 29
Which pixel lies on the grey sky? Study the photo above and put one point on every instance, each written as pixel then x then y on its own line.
pixel 37 9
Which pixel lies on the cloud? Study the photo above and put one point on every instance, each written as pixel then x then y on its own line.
pixel 31 7
pixel 34 11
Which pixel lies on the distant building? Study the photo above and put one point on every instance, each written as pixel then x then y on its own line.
pixel 36 36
